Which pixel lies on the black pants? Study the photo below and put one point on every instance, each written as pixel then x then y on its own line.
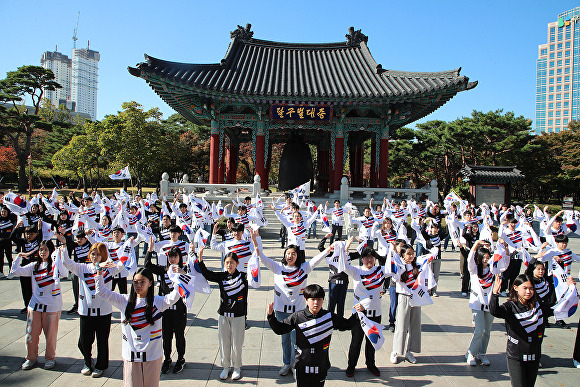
pixel 356 342
pixel 523 373
pixel 283 236
pixel 576 355
pixel 336 229
pixel 75 286
pixel 26 287
pixel 510 274
pixel 174 321
pixel 99 326
pixel 465 276
pixel 122 282
pixel 5 251
pixel 309 380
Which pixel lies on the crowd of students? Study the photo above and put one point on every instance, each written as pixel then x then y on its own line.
pixel 97 239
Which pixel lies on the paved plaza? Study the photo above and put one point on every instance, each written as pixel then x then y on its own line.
pixel 447 330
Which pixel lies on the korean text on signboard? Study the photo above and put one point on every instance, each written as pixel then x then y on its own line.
pixel 301 113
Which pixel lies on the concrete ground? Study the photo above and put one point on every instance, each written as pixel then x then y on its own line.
pixel 446 332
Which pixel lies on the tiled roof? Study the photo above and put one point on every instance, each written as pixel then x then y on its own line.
pixel 491 173
pixel 313 72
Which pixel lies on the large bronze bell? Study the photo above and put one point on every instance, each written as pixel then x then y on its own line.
pixel 295 164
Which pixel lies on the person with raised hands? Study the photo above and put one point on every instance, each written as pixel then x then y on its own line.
pixel 290 279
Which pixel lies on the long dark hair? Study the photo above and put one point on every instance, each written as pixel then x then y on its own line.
pixel 520 279
pixel 50 246
pixel 479 255
pixel 145 272
pixel 175 251
pixel 299 256
pixel 404 275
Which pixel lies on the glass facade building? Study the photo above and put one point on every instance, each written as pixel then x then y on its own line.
pixel 558 75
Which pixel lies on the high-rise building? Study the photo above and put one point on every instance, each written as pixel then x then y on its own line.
pixel 77 76
pixel 558 74
pixel 60 65
pixel 85 72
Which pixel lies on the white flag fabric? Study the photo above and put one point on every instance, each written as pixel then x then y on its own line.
pixel 145 232
pixel 452 197
pixel 126 255
pixel 121 175
pixel 500 260
pixel 185 285
pixel 200 238
pixel 567 304
pixel 254 277
pixel 338 257
pixel 201 284
pixel 372 330
pixel 560 278
pixel 361 246
pixel 17 204
pixel 187 231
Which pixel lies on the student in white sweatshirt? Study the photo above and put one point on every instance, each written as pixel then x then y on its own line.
pixel 45 305
pixel 95 312
pixel 141 311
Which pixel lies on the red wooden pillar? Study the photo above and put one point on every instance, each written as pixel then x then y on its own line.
pixel 338 161
pixel 214 152
pixel 384 158
pixel 233 153
pixel 373 171
pixel 260 147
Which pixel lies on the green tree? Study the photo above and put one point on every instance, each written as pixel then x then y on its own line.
pixel 18 124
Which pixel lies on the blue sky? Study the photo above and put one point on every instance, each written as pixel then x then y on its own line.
pixel 494 42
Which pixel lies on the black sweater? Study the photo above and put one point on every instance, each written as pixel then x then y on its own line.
pixel 233 291
pixel 524 327
pixel 312 351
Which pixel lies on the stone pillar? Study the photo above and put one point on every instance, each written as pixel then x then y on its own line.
pixel 260 149
pixel 384 158
pixel 214 153
pixel 164 185
pixel 338 156
pixel 373 172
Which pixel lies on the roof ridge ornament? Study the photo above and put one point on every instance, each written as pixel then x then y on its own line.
pixel 242 33
pixel 354 38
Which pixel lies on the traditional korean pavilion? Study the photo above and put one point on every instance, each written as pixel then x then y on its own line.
pixel 331 95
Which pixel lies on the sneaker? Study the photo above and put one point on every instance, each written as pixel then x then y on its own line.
pixel 562 324
pixel 28 364
pixel 165 366
pixel 179 366
pixel 23 311
pixel 484 360
pixel 285 370
pixel 224 374
pixel 503 294
pixel 49 364
pixel 97 373
pixel 576 363
pixel 409 356
pixel 464 294
pixel 349 372
pixel 237 373
pixel 471 360
pixel 72 310
pixel 394 357
pixel 392 327
pixel 374 370
pixel 435 294
pixel 86 371
pixel 2 275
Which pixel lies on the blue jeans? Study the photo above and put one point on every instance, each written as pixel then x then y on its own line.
pixel 419 249
pixel 394 303
pixel 313 229
pixel 336 297
pixel 288 341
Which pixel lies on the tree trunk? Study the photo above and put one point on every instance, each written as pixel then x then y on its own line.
pixel 22 183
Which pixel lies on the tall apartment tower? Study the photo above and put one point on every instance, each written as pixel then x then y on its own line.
pixel 84 80
pixel 77 76
pixel 558 74
pixel 60 65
